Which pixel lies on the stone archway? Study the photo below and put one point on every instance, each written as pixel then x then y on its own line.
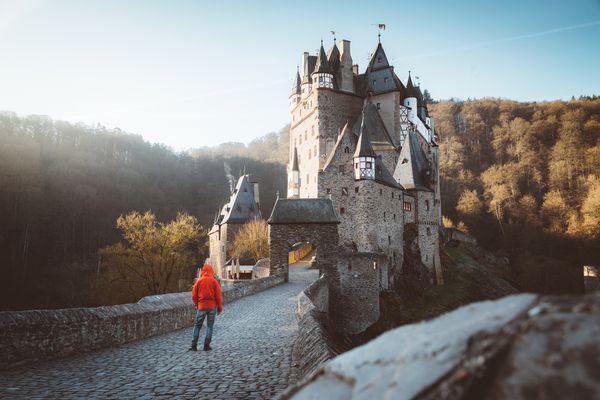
pixel 303 220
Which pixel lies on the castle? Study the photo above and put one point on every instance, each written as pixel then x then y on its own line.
pixel 366 141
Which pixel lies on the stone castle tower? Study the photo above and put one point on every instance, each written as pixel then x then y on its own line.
pixel 367 142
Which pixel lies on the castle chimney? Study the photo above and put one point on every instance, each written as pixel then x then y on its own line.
pixel 346 68
pixel 355 69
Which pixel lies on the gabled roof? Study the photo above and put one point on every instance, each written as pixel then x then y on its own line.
pixel 374 125
pixel 303 211
pixel 322 65
pixel 410 88
pixel 241 207
pixel 333 57
pixel 378 59
pixel 364 148
pixel 412 167
pixel 295 160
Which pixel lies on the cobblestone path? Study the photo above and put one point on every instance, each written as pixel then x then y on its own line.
pixel 250 359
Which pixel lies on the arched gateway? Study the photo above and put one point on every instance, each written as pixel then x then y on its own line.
pixel 303 220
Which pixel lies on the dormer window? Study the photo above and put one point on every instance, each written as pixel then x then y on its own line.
pixel 379 59
pixel 374 82
pixel 346 149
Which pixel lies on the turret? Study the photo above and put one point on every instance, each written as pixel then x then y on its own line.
pixel 323 76
pixel 411 100
pixel 294 178
pixel 296 90
pixel 364 156
pixel 346 83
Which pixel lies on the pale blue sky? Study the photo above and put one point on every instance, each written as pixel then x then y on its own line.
pixel 195 73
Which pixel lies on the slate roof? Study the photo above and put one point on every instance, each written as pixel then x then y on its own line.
pixel 333 57
pixel 296 85
pixel 303 211
pixel 374 125
pixel 383 175
pixel 364 148
pixel 322 65
pixel 412 167
pixel 241 207
pixel 378 59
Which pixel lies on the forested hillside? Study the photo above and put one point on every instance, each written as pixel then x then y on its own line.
pixel 523 177
pixel 62 187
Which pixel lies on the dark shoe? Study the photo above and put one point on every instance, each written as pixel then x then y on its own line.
pixel 207 347
pixel 193 348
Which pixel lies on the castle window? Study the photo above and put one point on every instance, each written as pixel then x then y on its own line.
pixel 315 150
pixel 374 82
pixel 312 130
pixel 389 239
pixel 407 206
pixel 341 169
pixel 309 154
pixel 426 257
pixel 342 210
pixel 307 179
pixel 426 205
pixel 379 59
pixel 379 106
pixel 380 192
pixel 346 149
pixel 356 189
pixel 305 135
pixel 428 231
pixel 344 191
pixel 328 190
pixel 394 217
pixel 392 195
pixel 385 79
pixel 368 165
pixel 384 215
pixel 349 267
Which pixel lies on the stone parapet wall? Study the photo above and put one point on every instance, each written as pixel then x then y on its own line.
pixel 35 335
pixel 311 348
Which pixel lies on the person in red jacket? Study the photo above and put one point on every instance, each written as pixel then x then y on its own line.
pixel 207 298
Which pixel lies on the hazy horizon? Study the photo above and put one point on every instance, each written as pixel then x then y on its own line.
pixel 194 74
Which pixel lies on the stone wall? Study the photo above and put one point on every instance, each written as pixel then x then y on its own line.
pixel 312 346
pixel 362 277
pixel 517 347
pixel 34 335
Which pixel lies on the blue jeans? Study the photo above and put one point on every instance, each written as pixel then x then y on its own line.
pixel 200 314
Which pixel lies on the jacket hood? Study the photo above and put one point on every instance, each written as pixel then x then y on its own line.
pixel 207 270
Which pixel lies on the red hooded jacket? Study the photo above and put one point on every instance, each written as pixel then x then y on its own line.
pixel 206 293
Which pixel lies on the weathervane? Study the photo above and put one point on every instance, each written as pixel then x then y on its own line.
pixel 380 27
pixel 333 33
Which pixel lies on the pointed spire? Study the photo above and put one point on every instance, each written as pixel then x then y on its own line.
pixel 410 88
pixel 295 160
pixel 322 65
pixel 379 59
pixel 364 148
pixel 296 86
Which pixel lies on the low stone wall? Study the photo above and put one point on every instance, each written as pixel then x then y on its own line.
pixel 311 348
pixel 34 335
